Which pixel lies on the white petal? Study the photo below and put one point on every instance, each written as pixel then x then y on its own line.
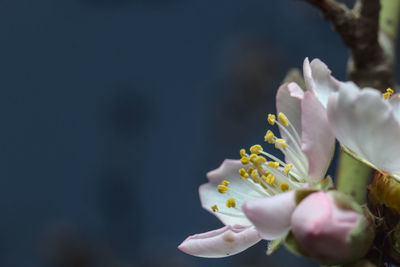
pixel 318 79
pixel 318 140
pixel 223 242
pixel 271 216
pixel 209 195
pixel 364 123
pixel 394 101
pixel 288 101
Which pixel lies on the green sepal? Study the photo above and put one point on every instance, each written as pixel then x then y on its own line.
pixel 358 157
pixel 362 236
pixel 325 184
pixel 274 245
pixel 302 193
pixel 293 246
pixel 345 201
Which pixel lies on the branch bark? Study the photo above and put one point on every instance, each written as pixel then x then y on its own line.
pixel 371 62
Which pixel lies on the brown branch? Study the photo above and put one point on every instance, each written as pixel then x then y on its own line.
pixel 369 65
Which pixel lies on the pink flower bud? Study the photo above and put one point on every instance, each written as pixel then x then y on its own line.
pixel 331 228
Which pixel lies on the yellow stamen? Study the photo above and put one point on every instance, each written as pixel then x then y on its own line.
pixel 214 208
pixel 273 164
pixel 256 149
pixel 286 170
pixel 242 152
pixel 283 119
pixel 243 174
pixel 290 165
pixel 280 143
pixel 260 160
pixel 390 91
pixel 271 119
pixel 222 189
pixel 269 179
pixel 269 137
pixel 255 176
pixel 225 182
pixel 253 158
pixel 250 170
pixel 386 95
pixel 245 160
pixel 284 187
pixel 231 203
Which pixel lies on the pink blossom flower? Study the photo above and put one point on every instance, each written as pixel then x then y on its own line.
pixel 330 229
pixel 255 197
pixel 238 234
pixel 367 124
pixel 306 112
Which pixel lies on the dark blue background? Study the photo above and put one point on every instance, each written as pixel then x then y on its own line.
pixel 112 112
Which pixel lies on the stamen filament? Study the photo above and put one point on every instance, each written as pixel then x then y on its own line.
pixel 238 193
pixel 289 135
pixel 254 186
pixel 278 160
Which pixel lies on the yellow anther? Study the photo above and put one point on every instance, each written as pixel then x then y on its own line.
pixel 242 152
pixel 390 91
pixel 279 142
pixel 250 170
pixel 386 95
pixel 269 179
pixel 399 97
pixel 231 203
pixel 225 182
pixel 255 176
pixel 243 173
pixel 253 158
pixel 271 119
pixel 290 165
pixel 245 160
pixel 284 187
pixel 256 149
pixel 283 119
pixel 214 208
pixel 222 188
pixel 273 164
pixel 260 160
pixel 286 170
pixel 269 137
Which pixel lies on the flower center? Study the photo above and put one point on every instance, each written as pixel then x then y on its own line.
pixel 266 174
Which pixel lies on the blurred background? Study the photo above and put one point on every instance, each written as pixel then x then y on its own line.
pixel 112 112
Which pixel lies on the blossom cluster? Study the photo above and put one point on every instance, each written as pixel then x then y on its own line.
pixel 292 202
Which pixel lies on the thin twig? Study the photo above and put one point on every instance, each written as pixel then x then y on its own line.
pixel 369 64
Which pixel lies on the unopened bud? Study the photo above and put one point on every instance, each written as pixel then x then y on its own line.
pixel 332 228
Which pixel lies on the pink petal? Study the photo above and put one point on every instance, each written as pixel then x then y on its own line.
pixel 323 229
pixel 223 242
pixel 365 123
pixel 318 79
pixel 288 101
pixel 209 195
pixel 318 140
pixel 271 216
